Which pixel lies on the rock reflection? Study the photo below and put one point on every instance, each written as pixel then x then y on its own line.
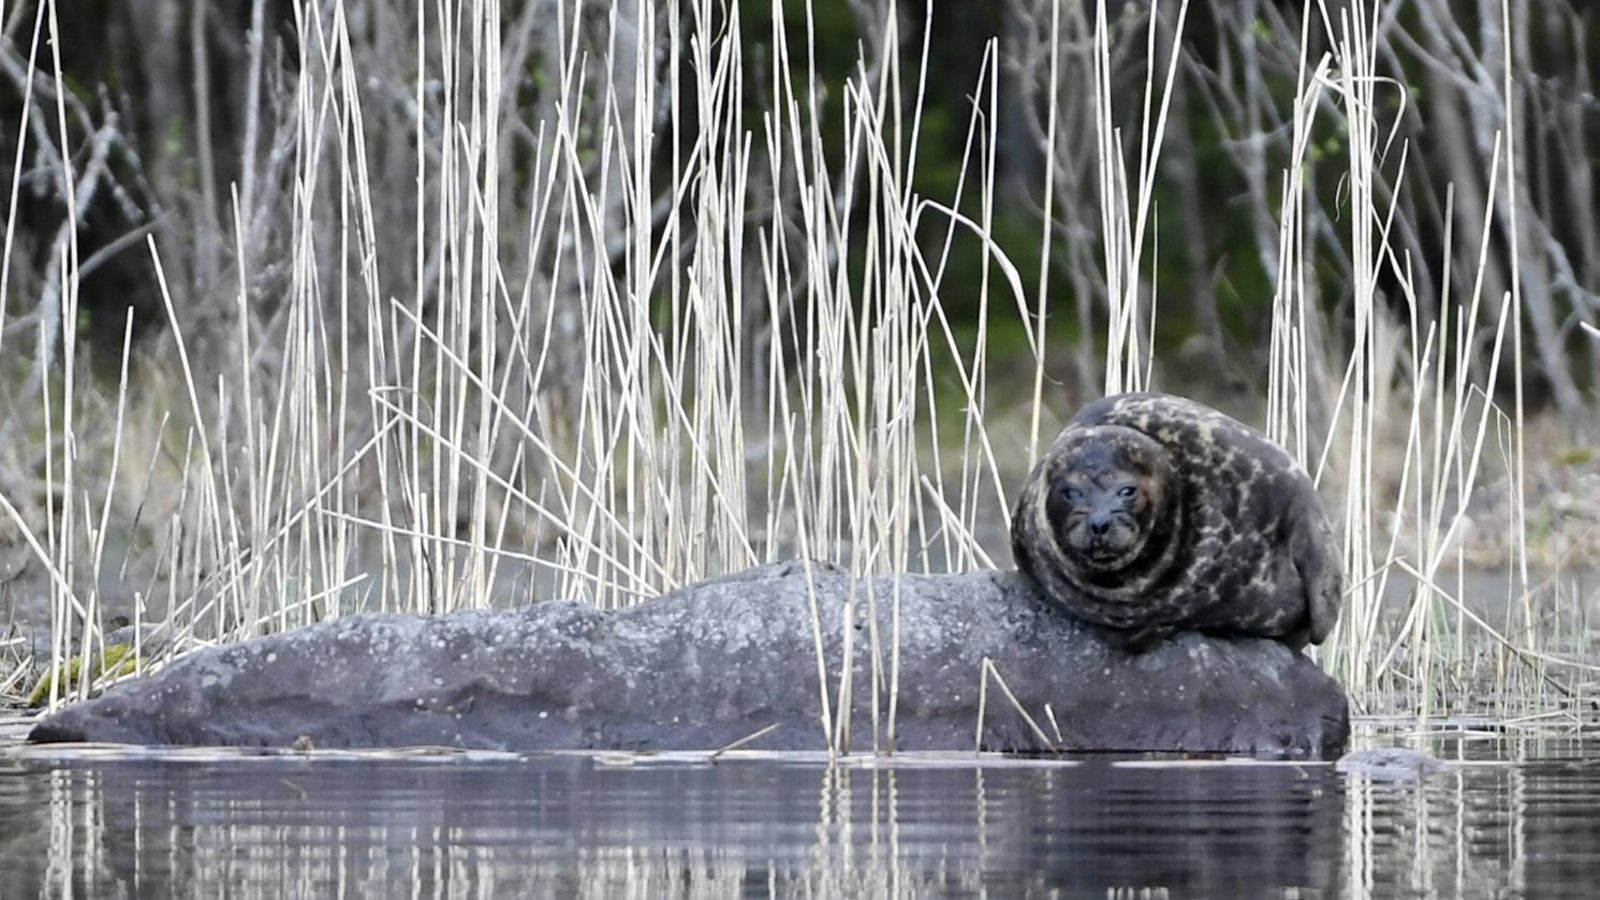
pixel 276 827
pixel 458 827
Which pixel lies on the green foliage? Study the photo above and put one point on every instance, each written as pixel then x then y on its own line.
pixel 118 660
pixel 1577 456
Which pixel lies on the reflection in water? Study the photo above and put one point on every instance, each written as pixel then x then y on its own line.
pixel 460 826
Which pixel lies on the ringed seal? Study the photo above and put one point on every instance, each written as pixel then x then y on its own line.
pixel 1152 513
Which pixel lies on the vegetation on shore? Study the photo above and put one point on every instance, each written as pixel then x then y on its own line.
pixel 310 307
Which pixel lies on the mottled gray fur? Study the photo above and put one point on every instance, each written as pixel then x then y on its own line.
pixel 1235 540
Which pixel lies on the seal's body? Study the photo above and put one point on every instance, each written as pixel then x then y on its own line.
pixel 1152 513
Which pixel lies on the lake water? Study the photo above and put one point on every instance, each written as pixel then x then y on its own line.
pixel 1518 818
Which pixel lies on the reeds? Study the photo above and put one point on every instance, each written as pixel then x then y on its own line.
pixel 690 320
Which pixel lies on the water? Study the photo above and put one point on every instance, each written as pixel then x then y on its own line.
pixel 1521 818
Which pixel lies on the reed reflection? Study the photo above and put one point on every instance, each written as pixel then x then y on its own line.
pixel 908 827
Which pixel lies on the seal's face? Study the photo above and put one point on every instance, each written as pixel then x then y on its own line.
pixel 1106 495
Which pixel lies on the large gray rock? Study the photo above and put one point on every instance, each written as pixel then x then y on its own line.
pixel 718 661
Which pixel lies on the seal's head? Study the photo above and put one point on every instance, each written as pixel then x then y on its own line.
pixel 1107 493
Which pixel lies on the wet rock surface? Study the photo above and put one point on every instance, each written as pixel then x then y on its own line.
pixel 718 661
pixel 1391 764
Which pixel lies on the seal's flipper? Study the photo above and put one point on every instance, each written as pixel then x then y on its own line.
pixel 1138 640
pixel 1322 578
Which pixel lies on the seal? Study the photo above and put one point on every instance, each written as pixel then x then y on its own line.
pixel 1152 514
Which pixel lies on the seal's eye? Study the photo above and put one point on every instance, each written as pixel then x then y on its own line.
pixel 1073 495
pixel 1127 491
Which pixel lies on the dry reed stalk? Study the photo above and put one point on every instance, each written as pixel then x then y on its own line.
pixel 630 347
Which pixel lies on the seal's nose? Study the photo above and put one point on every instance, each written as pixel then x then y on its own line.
pixel 1099 525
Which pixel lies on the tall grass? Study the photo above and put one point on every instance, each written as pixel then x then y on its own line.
pixel 705 330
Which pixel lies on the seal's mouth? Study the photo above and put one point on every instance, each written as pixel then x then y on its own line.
pixel 1108 554
pixel 1104 552
pixel 1104 544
